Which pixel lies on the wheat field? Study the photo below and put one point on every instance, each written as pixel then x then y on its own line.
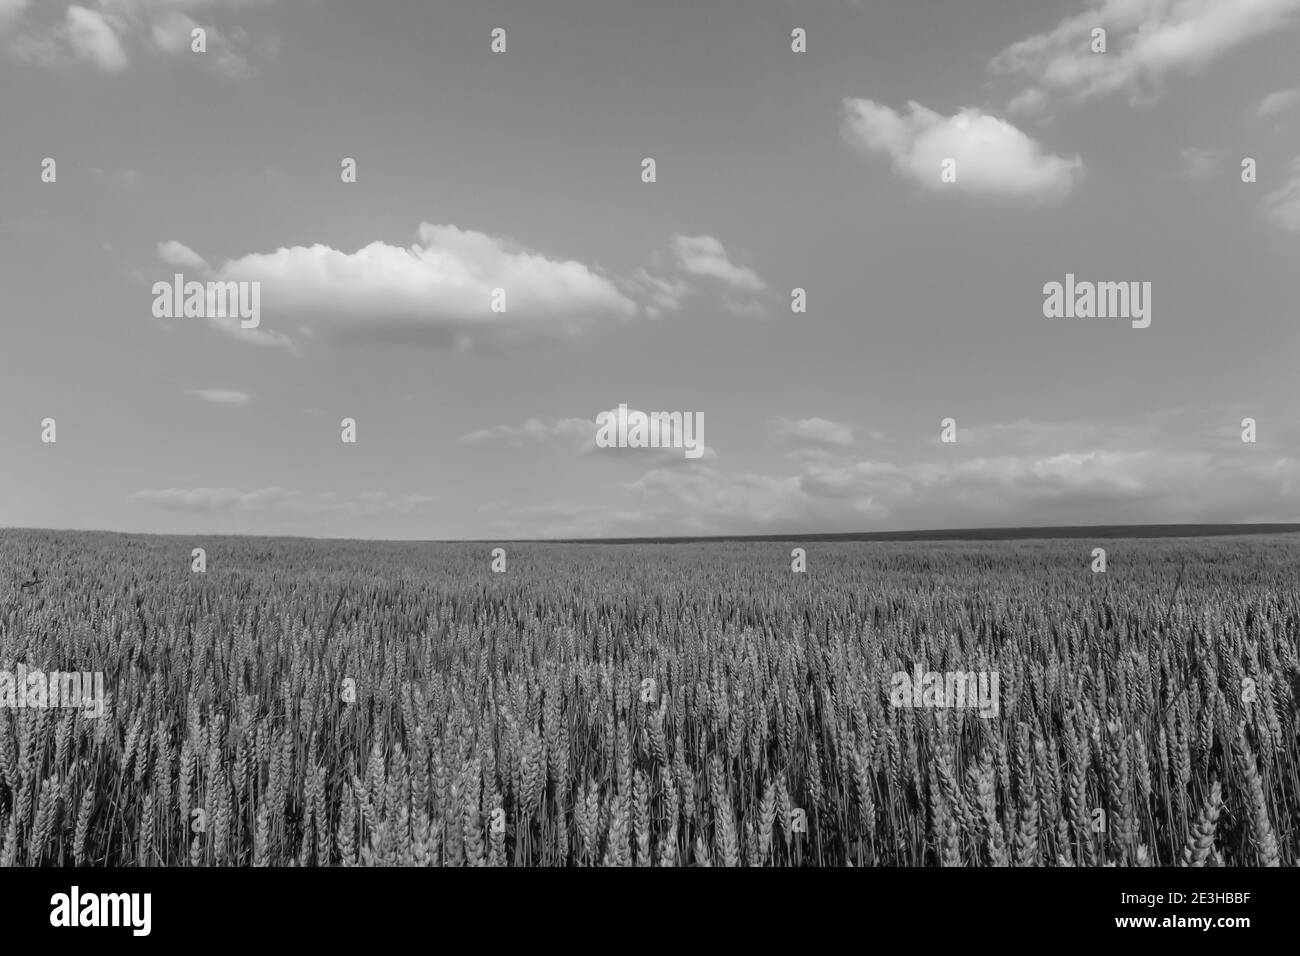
pixel 324 703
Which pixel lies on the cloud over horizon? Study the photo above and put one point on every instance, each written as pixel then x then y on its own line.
pixel 1162 469
pixel 275 499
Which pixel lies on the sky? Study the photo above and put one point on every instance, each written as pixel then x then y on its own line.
pixel 922 171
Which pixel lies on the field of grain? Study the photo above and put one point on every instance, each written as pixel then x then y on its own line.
pixel 343 703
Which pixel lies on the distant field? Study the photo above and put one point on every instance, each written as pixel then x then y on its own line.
pixel 1009 534
pixel 345 703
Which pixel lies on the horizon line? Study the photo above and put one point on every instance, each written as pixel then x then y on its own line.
pixel 998 533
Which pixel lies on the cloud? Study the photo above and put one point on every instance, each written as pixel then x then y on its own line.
pixel 992 156
pixel 743 291
pixel 986 482
pixel 177 254
pixel 1277 103
pixel 1175 466
pixel 222 396
pixel 1148 41
pixel 574 433
pixel 566 520
pixel 11 10
pixel 579 434
pixel 818 431
pixel 101 32
pixel 276 500
pixel 91 38
pixel 705 256
pixel 173 33
pixel 705 498
pixel 438 292
pixel 1028 101
pixel 1282 205
pixel 1196 164
pixel 660 294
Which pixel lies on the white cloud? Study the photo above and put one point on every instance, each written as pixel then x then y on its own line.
pixel 438 292
pixel 222 396
pixel 1277 102
pixel 274 500
pixel 705 256
pixel 178 254
pixel 1282 205
pixel 91 38
pixel 815 430
pixel 992 156
pixel 1148 41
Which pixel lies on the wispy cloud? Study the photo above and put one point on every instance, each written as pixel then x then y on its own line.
pixel 572 433
pixel 178 254
pixel 568 520
pixel 818 431
pixel 1170 466
pixel 660 294
pixel 1174 466
pixel 108 34
pixel 222 396
pixel 279 500
pixel 91 38
pixel 1277 103
pixel 1148 41
pixel 706 256
pixel 579 436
